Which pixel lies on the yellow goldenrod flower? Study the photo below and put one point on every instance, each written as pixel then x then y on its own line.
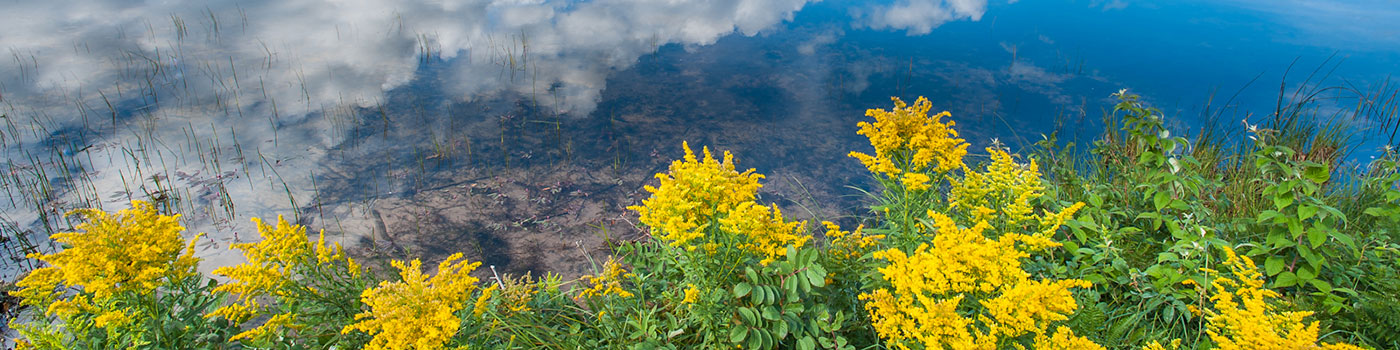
pixel 1029 307
pixel 915 182
pixel 1004 184
pixel 692 193
pixel 849 244
pixel 908 139
pixel 764 229
pixel 136 250
pixel 607 283
pixel 920 306
pixel 483 301
pixel 692 294
pixel 1064 339
pixel 1242 317
pixel 418 312
pixel 268 329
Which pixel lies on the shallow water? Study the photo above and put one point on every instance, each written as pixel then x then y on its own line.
pixel 518 131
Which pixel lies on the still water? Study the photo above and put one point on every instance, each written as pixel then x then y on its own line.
pixel 517 131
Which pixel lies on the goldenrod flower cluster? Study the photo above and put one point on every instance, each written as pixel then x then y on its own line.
pixel 909 143
pixel 1005 189
pixel 849 244
pixel 273 265
pixel 928 286
pixel 418 312
pixel 134 251
pixel 701 197
pixel 607 283
pixel 764 229
pixel 692 193
pixel 692 294
pixel 515 293
pixel 1242 317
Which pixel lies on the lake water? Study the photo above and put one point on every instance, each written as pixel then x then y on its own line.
pixel 517 131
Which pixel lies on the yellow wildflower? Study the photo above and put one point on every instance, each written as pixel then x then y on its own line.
pixel 113 319
pixel 849 244
pixel 926 286
pixel 1064 339
pixel 1004 184
pixel 692 294
pixel 915 182
pixel 692 193
pixel 1243 318
pixel 483 301
pixel 417 312
pixel 766 232
pixel 1154 345
pixel 268 329
pixel 607 283
pixel 908 139
pixel 136 250
pixel 1030 306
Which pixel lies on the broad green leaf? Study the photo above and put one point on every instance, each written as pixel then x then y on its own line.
pixel 1273 265
pixel 1306 211
pixel 1318 173
pixel 737 334
pixel 742 289
pixel 1316 237
pixel 1283 200
pixel 1285 279
pixel 806 343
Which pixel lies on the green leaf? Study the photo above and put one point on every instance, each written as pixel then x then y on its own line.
pixel 748 315
pixel 1161 199
pixel 780 329
pixel 1285 279
pixel 1273 265
pixel 737 334
pixel 742 289
pixel 1306 273
pixel 1283 200
pixel 770 313
pixel 1316 237
pixel 1318 173
pixel 756 341
pixel 1321 285
pixel 806 343
pixel 1306 211
pixel 817 279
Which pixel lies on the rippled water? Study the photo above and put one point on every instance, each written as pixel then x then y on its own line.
pixel 518 130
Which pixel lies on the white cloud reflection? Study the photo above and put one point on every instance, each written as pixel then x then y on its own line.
pixel 919 17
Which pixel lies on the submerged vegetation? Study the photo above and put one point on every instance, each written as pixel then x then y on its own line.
pixel 1146 241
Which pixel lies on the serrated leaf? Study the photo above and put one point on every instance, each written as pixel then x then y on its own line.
pixel 1161 199
pixel 1306 211
pixel 1321 285
pixel 1318 173
pixel 1283 200
pixel 1316 237
pixel 1273 265
pixel 1285 279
